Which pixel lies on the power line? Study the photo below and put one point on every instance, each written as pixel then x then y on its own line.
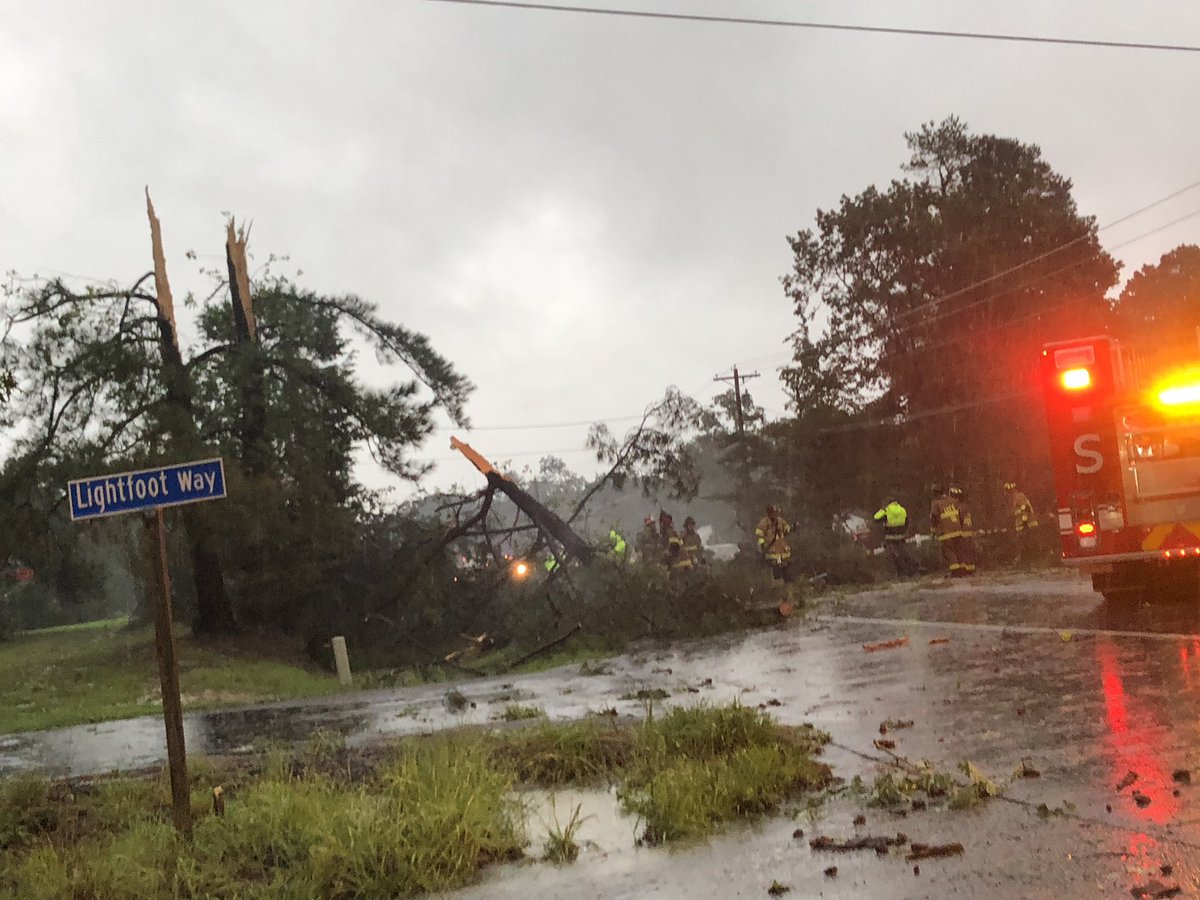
pixel 513 455
pixel 949 313
pixel 828 26
pixel 900 420
pixel 537 425
pixel 1041 256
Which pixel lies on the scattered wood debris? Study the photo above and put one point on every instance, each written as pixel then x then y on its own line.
pixel 881 845
pixel 831 872
pixel 886 645
pixel 1024 770
pixel 934 851
pixel 797 834
pixel 778 890
pixel 1130 778
pixel 1155 890
pixel 1182 776
pixel 860 819
pixel 934 641
pixel 885 744
pixel 894 725
pixel 1140 799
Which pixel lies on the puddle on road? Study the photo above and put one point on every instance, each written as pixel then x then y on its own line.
pixel 602 827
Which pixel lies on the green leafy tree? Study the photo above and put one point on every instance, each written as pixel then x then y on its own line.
pixel 720 416
pixel 921 309
pixel 102 383
pixel 1159 306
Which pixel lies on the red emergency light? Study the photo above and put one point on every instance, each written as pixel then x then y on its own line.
pixel 1077 379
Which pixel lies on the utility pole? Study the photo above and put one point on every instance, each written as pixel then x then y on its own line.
pixel 737 380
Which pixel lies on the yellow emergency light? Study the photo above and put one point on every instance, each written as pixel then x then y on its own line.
pixel 520 569
pixel 1076 379
pixel 1178 393
pixel 1179 396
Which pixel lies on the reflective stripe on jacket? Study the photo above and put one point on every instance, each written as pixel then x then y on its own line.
pixel 770 534
pixel 895 521
pixel 1023 514
pixel 944 518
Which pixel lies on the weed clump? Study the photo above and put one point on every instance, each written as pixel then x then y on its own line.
pixel 702 767
pixel 560 845
pixel 515 712
pixel 584 753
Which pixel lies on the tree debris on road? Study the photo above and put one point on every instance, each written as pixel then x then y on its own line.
pixel 934 851
pixel 1024 770
pixel 1156 890
pixel 881 845
pixel 1130 778
pixel 886 645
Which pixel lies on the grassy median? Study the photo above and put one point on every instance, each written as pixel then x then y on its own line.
pixel 107 670
pixel 415 816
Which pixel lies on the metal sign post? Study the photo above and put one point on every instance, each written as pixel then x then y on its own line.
pixel 154 489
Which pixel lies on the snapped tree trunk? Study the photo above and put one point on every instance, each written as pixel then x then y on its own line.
pixel 214 609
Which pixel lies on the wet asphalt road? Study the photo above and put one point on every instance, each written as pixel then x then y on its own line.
pixel 985 675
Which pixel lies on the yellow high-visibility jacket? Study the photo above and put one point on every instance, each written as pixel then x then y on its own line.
pixel 895 521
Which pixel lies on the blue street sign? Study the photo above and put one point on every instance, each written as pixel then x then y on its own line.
pixel 110 495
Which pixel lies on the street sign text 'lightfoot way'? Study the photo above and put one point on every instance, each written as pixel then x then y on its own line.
pixel 108 495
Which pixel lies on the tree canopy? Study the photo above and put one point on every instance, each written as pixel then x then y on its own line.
pixel 101 382
pixel 921 307
pixel 1160 303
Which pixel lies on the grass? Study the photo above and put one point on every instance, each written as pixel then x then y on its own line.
pixel 420 815
pixel 583 753
pixel 427 819
pixel 107 670
pixel 560 845
pixel 515 712
pixel 700 768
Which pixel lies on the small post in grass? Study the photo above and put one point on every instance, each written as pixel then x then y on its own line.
pixel 342 660
pixel 145 490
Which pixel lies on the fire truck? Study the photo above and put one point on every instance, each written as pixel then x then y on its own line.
pixel 1125 442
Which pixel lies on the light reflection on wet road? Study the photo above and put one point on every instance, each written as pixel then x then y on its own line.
pixel 986 675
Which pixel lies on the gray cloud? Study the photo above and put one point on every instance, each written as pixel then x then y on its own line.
pixel 578 211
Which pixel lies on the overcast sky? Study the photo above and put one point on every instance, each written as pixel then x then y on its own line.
pixel 578 210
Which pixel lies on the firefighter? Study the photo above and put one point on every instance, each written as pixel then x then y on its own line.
pixel 647 541
pixel 946 527
pixel 671 545
pixel 771 534
pixel 895 529
pixel 965 549
pixel 1024 520
pixel 693 544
